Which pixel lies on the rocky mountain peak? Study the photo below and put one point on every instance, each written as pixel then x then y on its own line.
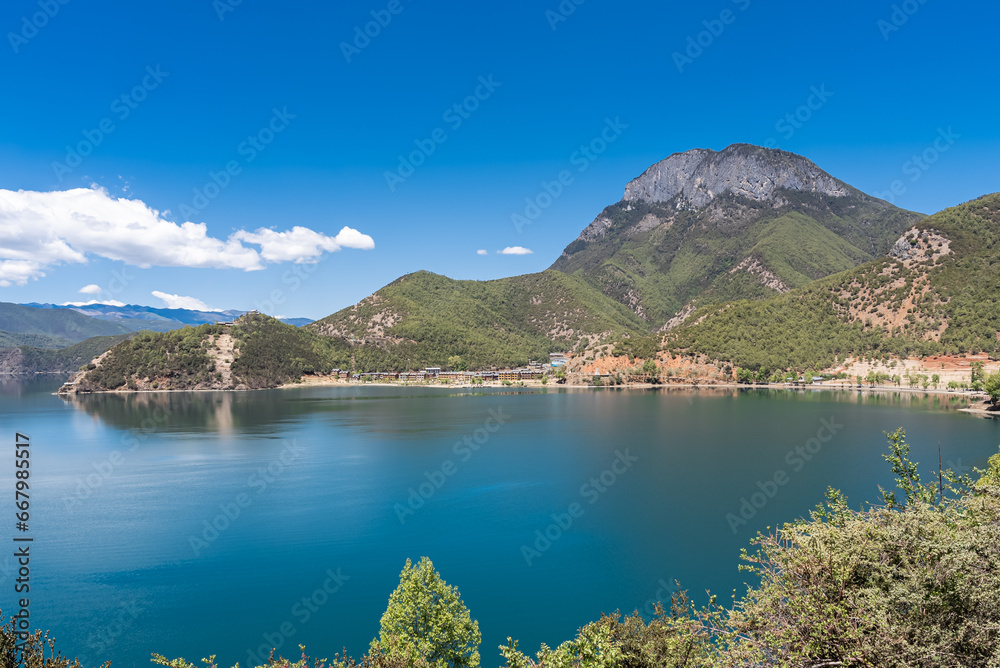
pixel 700 175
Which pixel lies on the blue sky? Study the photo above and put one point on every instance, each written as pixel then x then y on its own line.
pixel 164 95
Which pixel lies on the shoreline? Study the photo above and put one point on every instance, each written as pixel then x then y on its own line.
pixel 975 399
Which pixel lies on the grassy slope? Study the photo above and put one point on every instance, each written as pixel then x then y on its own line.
pixel 488 323
pixel 667 267
pixel 840 315
pixel 55 323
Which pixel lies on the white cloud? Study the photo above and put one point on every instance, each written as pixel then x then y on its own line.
pixel 92 289
pixel 515 250
pixel 110 302
pixel 180 301
pixel 300 244
pixel 481 252
pixel 40 230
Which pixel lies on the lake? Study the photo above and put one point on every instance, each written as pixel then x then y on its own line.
pixel 197 523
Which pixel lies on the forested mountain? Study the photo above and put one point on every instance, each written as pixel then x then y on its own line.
pixel 746 222
pixel 30 359
pixel 936 291
pixel 424 318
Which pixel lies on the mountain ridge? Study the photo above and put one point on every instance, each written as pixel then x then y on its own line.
pixel 137 317
pixel 753 171
pixel 708 226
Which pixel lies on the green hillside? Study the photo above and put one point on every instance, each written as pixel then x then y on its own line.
pixel 657 259
pixel 59 324
pixel 939 292
pixel 30 360
pixel 423 319
pixel 13 339
pixel 257 351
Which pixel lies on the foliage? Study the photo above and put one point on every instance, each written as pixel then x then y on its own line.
pixel 177 355
pixel 991 385
pixel 36 650
pixel 673 638
pixel 423 319
pixel 27 360
pixel 13 339
pixel 427 619
pixel 272 353
pixel 951 305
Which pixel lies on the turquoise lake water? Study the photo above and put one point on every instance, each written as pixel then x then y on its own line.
pixel 199 523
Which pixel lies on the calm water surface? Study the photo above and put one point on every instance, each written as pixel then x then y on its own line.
pixel 349 482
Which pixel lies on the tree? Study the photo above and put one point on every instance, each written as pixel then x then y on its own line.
pixel 992 386
pixel 426 619
pixel 650 368
pixel 977 376
pixel 456 363
pixel 936 380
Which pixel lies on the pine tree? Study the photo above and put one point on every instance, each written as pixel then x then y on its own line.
pixel 426 619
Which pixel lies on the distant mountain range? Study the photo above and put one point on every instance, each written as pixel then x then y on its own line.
pixel 137 318
pixel 41 328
